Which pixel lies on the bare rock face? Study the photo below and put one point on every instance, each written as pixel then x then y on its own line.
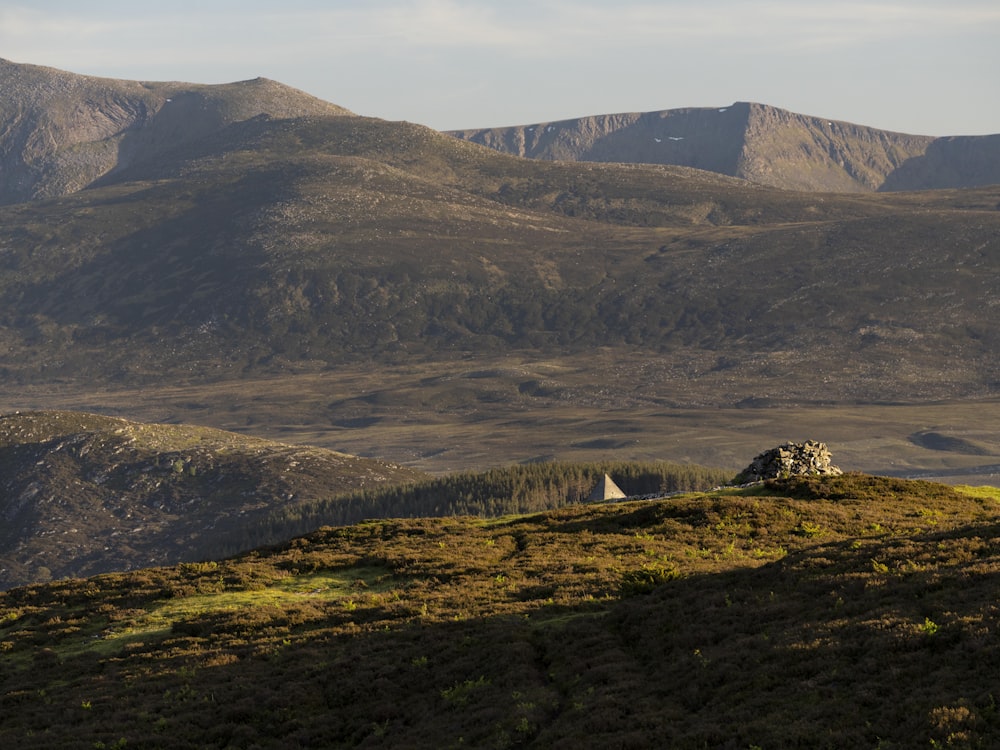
pixel 755 142
pixel 790 459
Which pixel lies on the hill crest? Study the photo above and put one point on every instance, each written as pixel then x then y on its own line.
pixel 60 131
pixel 848 611
pixel 761 143
pixel 82 494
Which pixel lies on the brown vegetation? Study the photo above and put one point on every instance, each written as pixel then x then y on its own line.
pixel 82 494
pixel 828 612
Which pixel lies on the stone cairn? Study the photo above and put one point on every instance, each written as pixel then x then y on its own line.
pixel 790 459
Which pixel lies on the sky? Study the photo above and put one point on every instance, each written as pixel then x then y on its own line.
pixel 916 66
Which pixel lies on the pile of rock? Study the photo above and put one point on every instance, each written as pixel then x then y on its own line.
pixel 790 459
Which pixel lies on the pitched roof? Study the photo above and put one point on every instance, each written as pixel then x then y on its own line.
pixel 606 489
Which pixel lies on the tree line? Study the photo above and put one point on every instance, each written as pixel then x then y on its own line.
pixel 518 489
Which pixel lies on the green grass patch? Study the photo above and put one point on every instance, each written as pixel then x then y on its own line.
pixel 159 620
pixel 334 583
pixel 981 492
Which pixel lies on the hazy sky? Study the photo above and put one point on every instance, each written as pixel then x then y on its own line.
pixel 924 67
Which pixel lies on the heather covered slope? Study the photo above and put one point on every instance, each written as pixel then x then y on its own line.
pixel 310 242
pixel 827 613
pixel 760 143
pixel 83 494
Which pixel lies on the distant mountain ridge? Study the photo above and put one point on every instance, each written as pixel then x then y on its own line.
pixel 233 246
pixel 305 245
pixel 60 132
pixel 760 143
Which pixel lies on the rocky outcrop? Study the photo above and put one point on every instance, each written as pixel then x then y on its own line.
pixel 790 459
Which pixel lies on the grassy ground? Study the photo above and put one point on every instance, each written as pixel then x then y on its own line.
pixel 826 613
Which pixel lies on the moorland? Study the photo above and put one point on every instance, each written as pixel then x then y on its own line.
pixel 848 611
pixel 299 408
pixel 251 258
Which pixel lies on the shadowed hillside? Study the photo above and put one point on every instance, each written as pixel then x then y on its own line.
pixel 83 494
pixel 763 144
pixel 956 162
pixel 840 612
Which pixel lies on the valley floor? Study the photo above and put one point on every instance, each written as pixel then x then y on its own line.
pixel 475 414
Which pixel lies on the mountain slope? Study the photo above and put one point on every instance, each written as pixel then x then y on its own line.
pixel 82 494
pixel 305 243
pixel 763 144
pixel 273 246
pixel 950 163
pixel 59 132
pixel 845 612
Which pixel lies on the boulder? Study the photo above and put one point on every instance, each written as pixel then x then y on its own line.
pixel 790 459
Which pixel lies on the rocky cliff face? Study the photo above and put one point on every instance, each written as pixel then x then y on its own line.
pixel 794 151
pixel 766 145
pixel 60 132
pixel 710 139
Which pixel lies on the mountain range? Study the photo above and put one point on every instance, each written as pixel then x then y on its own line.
pixel 267 262
pixel 763 144
pixel 249 257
